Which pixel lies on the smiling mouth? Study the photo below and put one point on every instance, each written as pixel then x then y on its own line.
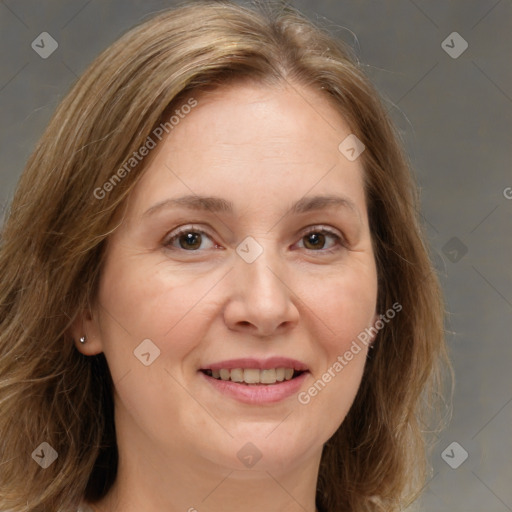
pixel 252 376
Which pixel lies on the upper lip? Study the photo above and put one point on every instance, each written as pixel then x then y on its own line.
pixel 260 364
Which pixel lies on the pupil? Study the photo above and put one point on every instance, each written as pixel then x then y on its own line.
pixel 315 239
pixel 191 241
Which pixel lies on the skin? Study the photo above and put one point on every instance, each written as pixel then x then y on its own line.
pixel 262 148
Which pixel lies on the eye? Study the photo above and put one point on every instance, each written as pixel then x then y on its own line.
pixel 189 239
pixel 321 240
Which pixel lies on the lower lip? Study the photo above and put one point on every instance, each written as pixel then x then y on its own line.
pixel 257 393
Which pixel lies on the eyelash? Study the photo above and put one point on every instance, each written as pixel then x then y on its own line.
pixel 340 241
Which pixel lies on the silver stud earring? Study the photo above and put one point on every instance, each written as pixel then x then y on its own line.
pixel 83 339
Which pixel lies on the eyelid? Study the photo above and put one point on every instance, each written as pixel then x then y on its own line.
pixel 321 228
pixel 340 237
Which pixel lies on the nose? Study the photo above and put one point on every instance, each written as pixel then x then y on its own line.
pixel 261 300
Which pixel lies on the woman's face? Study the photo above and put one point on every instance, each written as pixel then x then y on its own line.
pixel 245 246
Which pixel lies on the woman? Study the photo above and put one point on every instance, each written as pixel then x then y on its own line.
pixel 216 294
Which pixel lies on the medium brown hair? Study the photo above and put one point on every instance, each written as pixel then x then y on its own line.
pixel 54 240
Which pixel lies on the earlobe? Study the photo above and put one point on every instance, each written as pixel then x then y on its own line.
pixel 85 334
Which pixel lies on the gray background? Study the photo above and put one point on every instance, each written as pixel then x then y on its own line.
pixel 455 116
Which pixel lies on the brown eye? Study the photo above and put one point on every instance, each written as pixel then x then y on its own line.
pixel 314 241
pixel 190 241
pixel 322 240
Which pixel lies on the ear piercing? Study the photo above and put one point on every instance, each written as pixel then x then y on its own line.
pixel 83 339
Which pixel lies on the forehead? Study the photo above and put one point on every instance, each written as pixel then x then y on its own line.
pixel 249 139
pixel 247 113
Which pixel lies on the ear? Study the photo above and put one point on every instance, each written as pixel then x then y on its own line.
pixel 86 325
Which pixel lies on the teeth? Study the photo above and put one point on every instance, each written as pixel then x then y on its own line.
pixel 253 375
pixel 268 376
pixel 250 376
pixel 237 375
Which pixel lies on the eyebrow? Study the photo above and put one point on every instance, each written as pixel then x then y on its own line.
pixel 312 203
pixel 194 202
pixel 219 205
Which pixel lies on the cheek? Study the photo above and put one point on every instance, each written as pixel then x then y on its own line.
pixel 141 301
pixel 345 304
pixel 345 307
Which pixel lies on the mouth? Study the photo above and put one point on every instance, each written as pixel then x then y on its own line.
pixel 254 376
pixel 256 381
